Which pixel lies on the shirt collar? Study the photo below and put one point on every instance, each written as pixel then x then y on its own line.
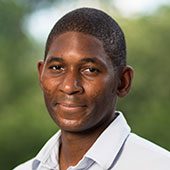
pixel 103 151
pixel 48 156
pixel 109 143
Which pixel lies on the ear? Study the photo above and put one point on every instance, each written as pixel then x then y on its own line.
pixel 40 66
pixel 125 81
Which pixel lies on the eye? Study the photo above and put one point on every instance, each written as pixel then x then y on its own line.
pixel 91 71
pixel 56 68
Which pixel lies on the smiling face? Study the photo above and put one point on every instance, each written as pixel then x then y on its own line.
pixel 79 82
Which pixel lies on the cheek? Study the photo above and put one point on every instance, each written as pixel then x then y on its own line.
pixel 96 94
pixel 95 90
pixel 49 90
pixel 48 86
pixel 102 92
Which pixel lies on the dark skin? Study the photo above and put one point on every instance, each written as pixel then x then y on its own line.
pixel 80 87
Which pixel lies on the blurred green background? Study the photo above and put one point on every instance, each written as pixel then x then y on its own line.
pixel 24 122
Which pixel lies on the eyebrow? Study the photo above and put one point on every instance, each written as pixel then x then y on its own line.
pixel 55 59
pixel 89 60
pixel 85 60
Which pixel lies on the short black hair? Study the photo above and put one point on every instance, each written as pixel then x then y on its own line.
pixel 96 23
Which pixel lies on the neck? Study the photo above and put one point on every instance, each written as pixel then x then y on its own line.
pixel 71 150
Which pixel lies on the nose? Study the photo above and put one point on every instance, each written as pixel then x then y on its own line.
pixel 71 84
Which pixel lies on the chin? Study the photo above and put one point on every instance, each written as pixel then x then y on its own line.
pixel 72 125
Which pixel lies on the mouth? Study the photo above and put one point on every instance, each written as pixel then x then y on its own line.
pixel 70 107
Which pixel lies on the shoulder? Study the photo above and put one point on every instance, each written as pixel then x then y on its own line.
pixel 136 142
pixel 25 166
pixel 34 163
pixel 147 155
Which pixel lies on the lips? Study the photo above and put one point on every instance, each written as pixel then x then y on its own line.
pixel 71 106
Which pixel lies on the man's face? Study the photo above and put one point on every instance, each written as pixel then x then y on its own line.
pixel 79 82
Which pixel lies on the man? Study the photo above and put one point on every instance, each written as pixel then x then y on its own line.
pixel 83 73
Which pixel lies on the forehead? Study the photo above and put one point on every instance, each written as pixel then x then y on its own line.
pixel 76 39
pixel 77 45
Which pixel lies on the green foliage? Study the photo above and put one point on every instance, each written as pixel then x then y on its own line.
pixel 24 122
pixel 147 106
pixel 21 122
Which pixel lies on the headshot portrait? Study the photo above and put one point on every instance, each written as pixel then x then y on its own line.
pixel 83 74
pixel 84 85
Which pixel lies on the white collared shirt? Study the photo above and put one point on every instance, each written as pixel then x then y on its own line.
pixel 115 149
